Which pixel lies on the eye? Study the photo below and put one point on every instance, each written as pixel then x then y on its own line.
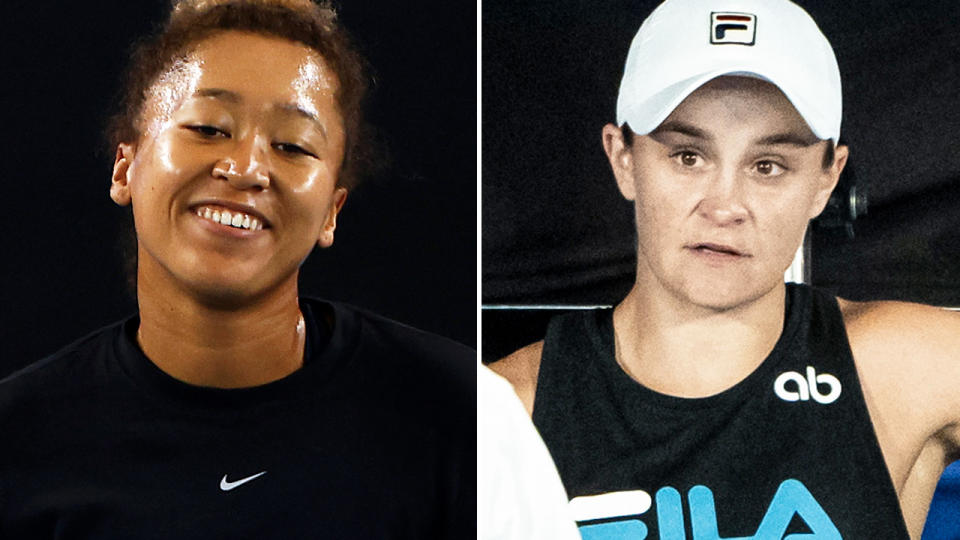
pixel 206 131
pixel 290 148
pixel 688 158
pixel 769 168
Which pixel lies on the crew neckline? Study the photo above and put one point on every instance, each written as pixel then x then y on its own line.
pixel 327 347
pixel 636 392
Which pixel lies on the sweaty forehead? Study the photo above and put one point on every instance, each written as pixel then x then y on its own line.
pixel 249 65
pixel 739 104
pixel 257 60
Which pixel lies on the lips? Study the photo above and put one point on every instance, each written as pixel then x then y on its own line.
pixel 710 248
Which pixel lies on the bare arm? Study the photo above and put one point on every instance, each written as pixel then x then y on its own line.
pixel 521 368
pixel 908 360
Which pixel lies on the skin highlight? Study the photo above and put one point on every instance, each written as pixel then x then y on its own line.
pixel 246 133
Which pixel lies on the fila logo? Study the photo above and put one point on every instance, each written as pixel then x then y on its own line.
pixel 626 508
pixel 728 27
pixel 803 389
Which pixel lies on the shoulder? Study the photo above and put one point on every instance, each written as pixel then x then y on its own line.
pixel 42 395
pixel 522 368
pixel 364 332
pixel 411 347
pixel 393 364
pixel 927 335
pixel 62 366
pixel 908 359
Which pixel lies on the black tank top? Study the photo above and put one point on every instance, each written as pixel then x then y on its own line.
pixel 788 450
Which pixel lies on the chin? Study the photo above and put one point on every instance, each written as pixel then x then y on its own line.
pixel 225 298
pixel 725 297
pixel 227 291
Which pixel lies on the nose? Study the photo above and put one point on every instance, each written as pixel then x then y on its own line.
pixel 245 165
pixel 722 202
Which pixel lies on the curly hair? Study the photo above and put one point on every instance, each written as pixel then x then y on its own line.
pixel 307 22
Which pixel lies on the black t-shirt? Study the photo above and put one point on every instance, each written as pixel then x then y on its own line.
pixel 374 437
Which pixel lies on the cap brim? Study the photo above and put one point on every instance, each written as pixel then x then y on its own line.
pixel 664 102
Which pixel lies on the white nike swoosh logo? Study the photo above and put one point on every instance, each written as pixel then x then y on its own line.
pixel 227 486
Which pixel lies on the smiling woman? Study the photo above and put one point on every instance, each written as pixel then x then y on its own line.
pixel 219 138
pixel 236 145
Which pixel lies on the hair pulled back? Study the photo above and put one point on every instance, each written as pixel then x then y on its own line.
pixel 313 24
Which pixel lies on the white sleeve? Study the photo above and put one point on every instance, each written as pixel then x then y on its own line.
pixel 520 493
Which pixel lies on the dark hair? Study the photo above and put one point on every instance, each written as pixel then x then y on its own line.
pixel 828 155
pixel 303 21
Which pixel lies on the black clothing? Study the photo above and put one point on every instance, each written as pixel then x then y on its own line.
pixel 374 437
pixel 789 449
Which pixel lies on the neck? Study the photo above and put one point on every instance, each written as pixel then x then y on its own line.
pixel 693 351
pixel 223 346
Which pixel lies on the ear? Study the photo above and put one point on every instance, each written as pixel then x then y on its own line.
pixel 621 160
pixel 120 183
pixel 326 235
pixel 829 179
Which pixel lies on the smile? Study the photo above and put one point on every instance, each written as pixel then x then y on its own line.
pixel 237 220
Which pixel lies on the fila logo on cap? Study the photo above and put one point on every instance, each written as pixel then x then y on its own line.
pixel 738 28
pixel 806 388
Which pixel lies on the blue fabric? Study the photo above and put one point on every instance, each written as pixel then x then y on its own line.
pixel 943 521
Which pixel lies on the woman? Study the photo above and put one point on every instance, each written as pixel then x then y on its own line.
pixel 230 407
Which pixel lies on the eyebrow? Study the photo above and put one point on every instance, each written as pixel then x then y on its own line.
pixel 790 138
pixel 802 140
pixel 681 128
pixel 233 97
pixel 300 111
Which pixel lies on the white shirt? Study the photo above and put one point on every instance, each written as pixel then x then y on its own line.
pixel 520 493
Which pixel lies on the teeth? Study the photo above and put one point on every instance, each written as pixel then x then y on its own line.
pixel 238 220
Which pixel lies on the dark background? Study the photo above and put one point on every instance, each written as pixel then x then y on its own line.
pixel 406 239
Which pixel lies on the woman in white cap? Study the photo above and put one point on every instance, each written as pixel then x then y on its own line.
pixel 714 398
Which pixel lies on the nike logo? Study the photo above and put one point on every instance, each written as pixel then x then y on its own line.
pixel 227 486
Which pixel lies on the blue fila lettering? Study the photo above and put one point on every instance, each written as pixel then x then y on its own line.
pixel 792 498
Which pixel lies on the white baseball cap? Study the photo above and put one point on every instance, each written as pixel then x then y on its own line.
pixel 686 43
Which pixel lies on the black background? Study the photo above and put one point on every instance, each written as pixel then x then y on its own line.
pixel 406 240
pixel 556 230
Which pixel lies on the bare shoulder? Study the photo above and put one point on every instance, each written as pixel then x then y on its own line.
pixel 521 368
pixel 908 357
pixel 930 335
